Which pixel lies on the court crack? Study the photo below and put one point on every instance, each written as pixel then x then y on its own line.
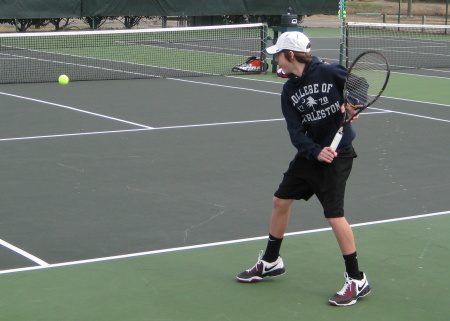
pixel 79 170
pixel 186 232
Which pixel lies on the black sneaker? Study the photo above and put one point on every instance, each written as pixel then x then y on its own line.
pixel 262 269
pixel 351 292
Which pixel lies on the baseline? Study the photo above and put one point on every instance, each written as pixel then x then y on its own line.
pixel 125 256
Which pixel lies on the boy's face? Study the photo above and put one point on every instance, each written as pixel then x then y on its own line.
pixel 284 63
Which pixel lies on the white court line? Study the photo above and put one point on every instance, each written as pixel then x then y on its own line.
pixel 74 134
pixel 162 128
pixel 24 253
pixel 225 86
pixel 428 76
pixel 75 109
pixel 413 115
pixel 201 246
pixel 142 129
pixel 416 101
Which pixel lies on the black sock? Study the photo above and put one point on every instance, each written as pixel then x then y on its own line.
pixel 351 266
pixel 273 249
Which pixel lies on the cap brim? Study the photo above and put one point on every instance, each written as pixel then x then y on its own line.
pixel 273 50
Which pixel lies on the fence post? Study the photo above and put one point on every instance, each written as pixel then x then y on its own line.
pixel 342 14
pixel 446 12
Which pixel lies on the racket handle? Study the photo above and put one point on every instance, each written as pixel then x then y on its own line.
pixel 337 139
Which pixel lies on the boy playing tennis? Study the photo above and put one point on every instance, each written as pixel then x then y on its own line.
pixel 312 104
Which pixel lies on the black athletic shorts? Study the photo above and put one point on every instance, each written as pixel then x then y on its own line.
pixel 304 178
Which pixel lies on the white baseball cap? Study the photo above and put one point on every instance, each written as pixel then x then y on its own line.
pixel 291 40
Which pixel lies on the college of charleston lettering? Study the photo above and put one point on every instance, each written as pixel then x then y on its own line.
pixel 312 105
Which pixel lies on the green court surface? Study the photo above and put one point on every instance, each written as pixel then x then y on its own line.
pixel 418 88
pixel 406 263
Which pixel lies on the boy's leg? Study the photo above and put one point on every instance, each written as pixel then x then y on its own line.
pixel 356 285
pixel 332 198
pixel 281 209
pixel 269 262
pixel 344 234
pixel 346 240
pixel 278 224
pixel 293 186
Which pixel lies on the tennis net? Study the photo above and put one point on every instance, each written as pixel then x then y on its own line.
pixel 406 46
pixel 129 54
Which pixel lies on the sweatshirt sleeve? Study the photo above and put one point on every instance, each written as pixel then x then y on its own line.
pixel 306 148
pixel 340 75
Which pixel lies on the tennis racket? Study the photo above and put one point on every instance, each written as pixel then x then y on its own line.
pixel 366 79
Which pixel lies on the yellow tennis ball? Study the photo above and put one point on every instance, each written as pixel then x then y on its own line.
pixel 63 80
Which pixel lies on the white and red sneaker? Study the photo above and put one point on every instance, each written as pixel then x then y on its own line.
pixel 351 292
pixel 262 269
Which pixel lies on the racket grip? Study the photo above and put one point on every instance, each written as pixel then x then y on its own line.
pixel 337 139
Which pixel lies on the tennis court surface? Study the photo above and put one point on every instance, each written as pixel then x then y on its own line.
pixel 142 199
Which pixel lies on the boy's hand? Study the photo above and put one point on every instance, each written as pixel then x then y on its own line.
pixel 327 154
pixel 351 110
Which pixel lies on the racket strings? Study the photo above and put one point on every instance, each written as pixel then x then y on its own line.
pixel 366 80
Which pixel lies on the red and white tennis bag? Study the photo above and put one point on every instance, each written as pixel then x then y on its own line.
pixel 282 74
pixel 251 65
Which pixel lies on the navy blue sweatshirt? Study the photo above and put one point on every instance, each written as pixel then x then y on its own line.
pixel 311 105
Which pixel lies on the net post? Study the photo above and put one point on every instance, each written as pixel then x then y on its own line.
pixel 342 13
pixel 346 45
pixel 264 36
